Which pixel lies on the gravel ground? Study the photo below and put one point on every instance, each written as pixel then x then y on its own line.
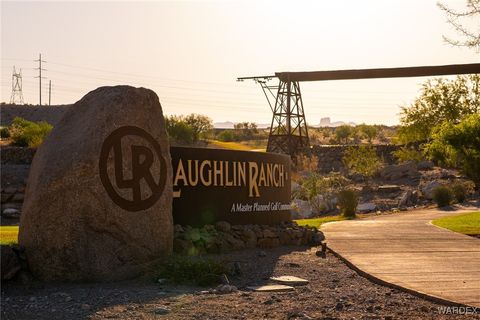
pixel 334 292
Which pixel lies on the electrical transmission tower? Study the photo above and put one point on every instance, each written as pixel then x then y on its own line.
pixel 40 76
pixel 17 94
pixel 288 131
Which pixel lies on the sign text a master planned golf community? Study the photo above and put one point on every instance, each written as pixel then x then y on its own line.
pixel 240 187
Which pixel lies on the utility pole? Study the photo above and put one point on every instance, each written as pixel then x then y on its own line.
pixel 40 75
pixel 16 87
pixel 49 92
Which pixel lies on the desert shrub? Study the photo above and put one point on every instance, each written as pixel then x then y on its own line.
pixel 348 202
pixel 442 196
pixel 408 154
pixel 26 133
pixel 461 189
pixel 315 184
pixel 192 270
pixel 459 192
pixel 363 160
pixel 227 136
pixel 4 133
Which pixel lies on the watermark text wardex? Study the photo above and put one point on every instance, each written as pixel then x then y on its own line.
pixel 458 310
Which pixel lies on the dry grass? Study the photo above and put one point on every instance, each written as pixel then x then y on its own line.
pixel 8 234
pixel 235 146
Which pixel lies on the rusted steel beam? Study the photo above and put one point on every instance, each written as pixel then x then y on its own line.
pixel 423 71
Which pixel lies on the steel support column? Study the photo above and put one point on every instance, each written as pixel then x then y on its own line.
pixel 288 130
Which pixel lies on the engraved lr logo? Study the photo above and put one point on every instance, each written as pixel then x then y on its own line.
pixel 142 160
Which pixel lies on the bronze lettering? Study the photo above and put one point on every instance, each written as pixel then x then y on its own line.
pixel 252 182
pixel 202 171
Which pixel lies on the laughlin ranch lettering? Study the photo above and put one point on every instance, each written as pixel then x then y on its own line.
pixel 236 186
pixel 224 173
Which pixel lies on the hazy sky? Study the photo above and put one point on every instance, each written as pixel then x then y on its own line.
pixel 190 52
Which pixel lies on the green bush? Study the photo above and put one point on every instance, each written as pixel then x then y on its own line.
pixel 227 136
pixel 408 154
pixel 348 202
pixel 4 133
pixel 461 189
pixel 192 270
pixel 315 184
pixel 442 196
pixel 458 145
pixel 459 192
pixel 26 133
pixel 363 160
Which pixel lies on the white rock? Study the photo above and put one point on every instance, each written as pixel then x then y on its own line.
pixel 272 288
pixel 10 213
pixel 302 208
pixel 290 280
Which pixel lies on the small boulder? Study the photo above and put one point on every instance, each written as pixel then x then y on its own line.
pixel 249 237
pixel 389 188
pixel 408 198
pixel 11 213
pixel 425 165
pixel 427 189
pixel 301 208
pixel 223 226
pixel 366 207
pixel 400 171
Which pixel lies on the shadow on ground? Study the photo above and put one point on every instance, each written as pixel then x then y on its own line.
pixel 23 298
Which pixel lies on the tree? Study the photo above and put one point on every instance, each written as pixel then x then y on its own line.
pixel 200 124
pixel 178 130
pixel 469 37
pixel 458 145
pixel 188 129
pixel 440 100
pixel 370 132
pixel 362 160
pixel 343 132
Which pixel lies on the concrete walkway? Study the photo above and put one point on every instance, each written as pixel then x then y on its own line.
pixel 406 250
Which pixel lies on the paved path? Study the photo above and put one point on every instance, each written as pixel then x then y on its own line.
pixel 406 250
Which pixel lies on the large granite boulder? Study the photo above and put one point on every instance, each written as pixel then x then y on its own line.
pixel 98 204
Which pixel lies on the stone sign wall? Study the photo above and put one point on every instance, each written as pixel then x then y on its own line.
pixel 240 187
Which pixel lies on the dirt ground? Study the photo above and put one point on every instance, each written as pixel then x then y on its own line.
pixel 334 292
